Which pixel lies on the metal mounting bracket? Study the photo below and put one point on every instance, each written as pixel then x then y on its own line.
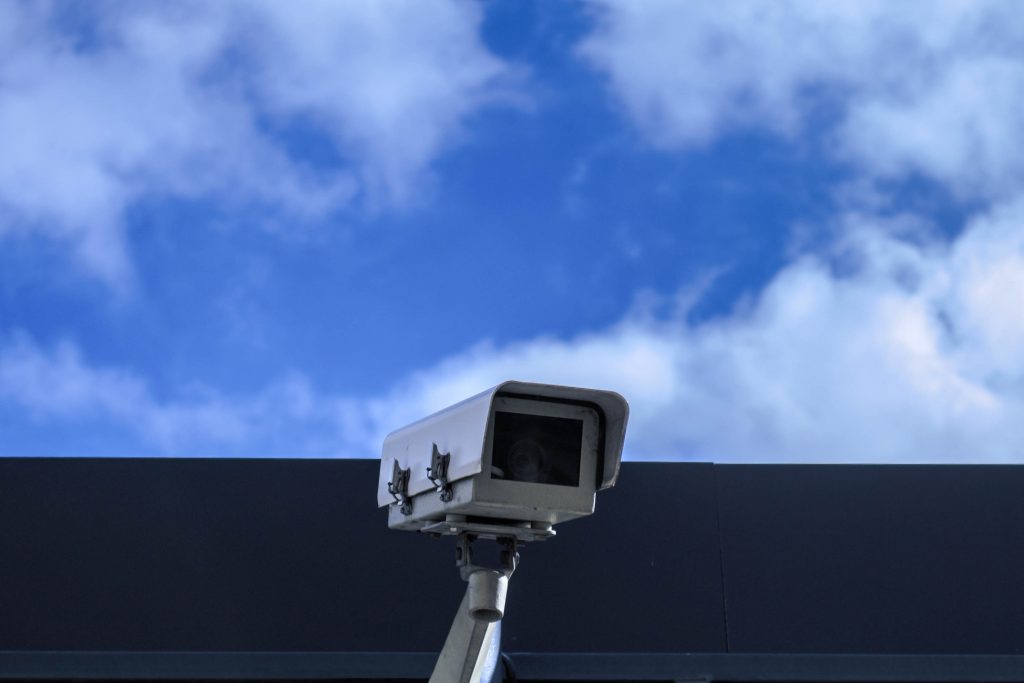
pixel 398 487
pixel 457 525
pixel 472 650
pixel 437 473
pixel 509 557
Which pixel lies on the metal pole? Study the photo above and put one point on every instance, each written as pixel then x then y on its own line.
pixel 471 651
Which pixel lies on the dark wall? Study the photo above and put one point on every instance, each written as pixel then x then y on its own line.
pixel 211 555
pixel 292 555
pixel 640 575
pixel 880 559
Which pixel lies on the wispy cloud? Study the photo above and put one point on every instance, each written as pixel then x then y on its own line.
pixel 929 88
pixel 113 103
pixel 58 386
pixel 893 345
pixel 883 350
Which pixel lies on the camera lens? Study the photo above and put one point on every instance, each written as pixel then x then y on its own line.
pixel 526 460
pixel 538 449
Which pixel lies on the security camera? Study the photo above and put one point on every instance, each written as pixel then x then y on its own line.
pixel 518 457
pixel 506 465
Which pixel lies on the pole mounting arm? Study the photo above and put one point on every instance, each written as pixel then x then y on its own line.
pixel 471 651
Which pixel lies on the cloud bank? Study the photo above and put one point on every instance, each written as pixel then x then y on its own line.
pixel 886 349
pixel 58 385
pixel 896 344
pixel 106 104
pixel 934 89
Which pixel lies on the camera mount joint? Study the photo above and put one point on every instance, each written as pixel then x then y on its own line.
pixel 508 557
pixel 398 487
pixel 437 473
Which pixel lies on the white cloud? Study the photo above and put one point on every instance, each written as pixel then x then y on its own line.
pixel 57 386
pixel 897 346
pixel 917 87
pixel 155 100
pixel 391 80
pixel 916 354
pixel 887 349
pixel 890 348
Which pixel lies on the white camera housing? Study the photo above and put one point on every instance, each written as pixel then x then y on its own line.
pixel 518 453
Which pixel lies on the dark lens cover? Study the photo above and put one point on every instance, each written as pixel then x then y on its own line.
pixel 537 449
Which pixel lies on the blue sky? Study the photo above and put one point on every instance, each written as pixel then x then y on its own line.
pixel 786 232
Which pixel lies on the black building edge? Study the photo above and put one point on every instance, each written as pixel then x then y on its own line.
pixel 178 569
